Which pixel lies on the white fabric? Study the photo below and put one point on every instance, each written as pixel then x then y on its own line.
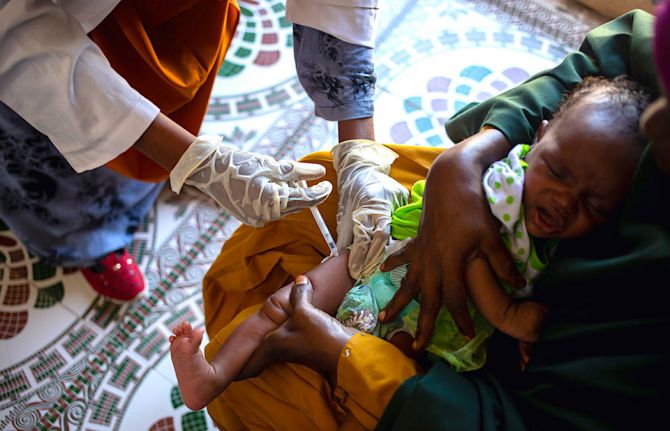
pixel 503 185
pixel 254 188
pixel 352 21
pixel 89 13
pixel 58 80
pixel 367 198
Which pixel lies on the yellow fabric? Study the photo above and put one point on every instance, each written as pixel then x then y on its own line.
pixel 253 264
pixel 170 53
pixel 369 371
pixel 293 397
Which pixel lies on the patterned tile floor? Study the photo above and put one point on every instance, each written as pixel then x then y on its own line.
pixel 72 360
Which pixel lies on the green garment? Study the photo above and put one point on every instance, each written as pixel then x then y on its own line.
pixel 405 220
pixel 603 359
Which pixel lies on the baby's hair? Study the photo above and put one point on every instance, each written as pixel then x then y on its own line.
pixel 627 98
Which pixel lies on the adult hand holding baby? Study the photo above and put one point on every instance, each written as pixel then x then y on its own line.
pixel 309 337
pixel 456 227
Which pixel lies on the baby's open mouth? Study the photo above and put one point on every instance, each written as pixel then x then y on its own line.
pixel 550 222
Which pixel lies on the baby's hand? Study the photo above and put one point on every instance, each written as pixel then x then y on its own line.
pixel 524 321
pixel 525 350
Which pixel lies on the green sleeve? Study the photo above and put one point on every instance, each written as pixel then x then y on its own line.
pixel 619 47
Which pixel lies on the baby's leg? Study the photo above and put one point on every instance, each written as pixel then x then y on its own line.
pixel 200 382
pixel 521 320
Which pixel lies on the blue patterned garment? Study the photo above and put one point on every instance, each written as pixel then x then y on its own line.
pixel 63 217
pixel 338 76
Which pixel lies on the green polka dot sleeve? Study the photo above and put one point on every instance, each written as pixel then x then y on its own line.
pixel 503 185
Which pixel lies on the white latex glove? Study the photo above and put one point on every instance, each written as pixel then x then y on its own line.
pixel 368 197
pixel 254 188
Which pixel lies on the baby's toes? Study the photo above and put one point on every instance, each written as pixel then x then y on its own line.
pixel 182 329
pixel 185 329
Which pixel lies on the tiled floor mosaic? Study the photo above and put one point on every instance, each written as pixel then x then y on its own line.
pixel 72 360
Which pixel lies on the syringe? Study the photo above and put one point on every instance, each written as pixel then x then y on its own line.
pixel 323 228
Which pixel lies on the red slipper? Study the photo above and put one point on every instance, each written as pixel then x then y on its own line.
pixel 116 276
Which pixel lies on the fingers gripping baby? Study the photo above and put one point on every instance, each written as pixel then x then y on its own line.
pixel 201 381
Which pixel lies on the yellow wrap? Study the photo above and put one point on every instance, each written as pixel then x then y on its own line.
pixel 256 262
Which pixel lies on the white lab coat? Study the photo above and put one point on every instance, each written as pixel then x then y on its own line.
pixel 352 21
pixel 59 81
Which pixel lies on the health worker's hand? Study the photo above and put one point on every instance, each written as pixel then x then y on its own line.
pixel 367 198
pixel 254 188
pixel 456 227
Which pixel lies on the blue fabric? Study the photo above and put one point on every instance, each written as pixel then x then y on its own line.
pixel 65 218
pixel 338 76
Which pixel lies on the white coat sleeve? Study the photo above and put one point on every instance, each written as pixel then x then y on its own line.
pixel 353 21
pixel 58 80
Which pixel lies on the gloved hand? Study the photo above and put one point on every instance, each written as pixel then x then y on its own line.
pixel 367 198
pixel 254 188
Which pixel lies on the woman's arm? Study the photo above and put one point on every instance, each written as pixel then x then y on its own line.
pixel 364 371
pixel 476 399
pixel 59 81
pixel 456 227
pixel 622 46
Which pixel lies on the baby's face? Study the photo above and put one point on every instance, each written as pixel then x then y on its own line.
pixel 578 172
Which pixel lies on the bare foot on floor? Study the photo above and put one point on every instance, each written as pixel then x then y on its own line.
pixel 196 377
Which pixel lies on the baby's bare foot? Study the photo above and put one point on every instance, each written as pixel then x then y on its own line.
pixel 196 377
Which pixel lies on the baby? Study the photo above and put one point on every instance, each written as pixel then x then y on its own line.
pixel 558 188
pixel 574 176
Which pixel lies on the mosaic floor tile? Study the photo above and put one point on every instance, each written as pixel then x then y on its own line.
pixel 70 359
pixel 157 405
pixel 394 123
pixel 43 328
pixel 78 295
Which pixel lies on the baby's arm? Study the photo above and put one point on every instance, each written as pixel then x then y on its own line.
pixel 331 281
pixel 521 320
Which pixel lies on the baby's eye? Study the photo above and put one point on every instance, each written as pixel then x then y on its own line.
pixel 555 172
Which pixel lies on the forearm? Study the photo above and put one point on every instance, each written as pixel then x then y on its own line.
pixel 491 145
pixel 456 165
pixel 358 128
pixel 486 294
pixel 164 142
